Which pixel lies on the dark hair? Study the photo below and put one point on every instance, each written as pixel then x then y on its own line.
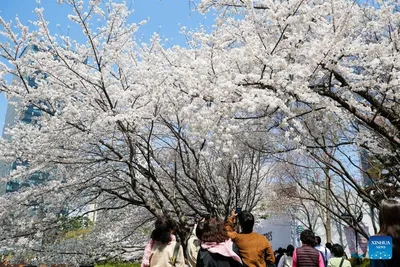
pixel 289 250
pixel 246 220
pixel 389 220
pixel 162 231
pixel 199 230
pixel 337 250
pixel 318 240
pixel 307 237
pixel 214 231
pixel 328 245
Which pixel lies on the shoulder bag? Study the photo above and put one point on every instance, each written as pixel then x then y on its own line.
pixel 175 255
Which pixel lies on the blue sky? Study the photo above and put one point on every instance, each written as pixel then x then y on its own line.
pixel 166 17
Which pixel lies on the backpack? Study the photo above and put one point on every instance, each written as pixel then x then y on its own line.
pixel 324 258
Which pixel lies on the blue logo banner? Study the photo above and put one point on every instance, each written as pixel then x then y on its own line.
pixel 380 247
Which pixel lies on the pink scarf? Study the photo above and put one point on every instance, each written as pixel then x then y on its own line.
pixel 223 248
pixel 147 252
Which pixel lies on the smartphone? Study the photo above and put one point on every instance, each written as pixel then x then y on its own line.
pixel 238 210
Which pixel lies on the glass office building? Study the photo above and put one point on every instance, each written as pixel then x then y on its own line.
pixel 15 115
pixel 12 117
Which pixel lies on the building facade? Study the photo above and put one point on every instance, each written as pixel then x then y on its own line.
pixel 17 113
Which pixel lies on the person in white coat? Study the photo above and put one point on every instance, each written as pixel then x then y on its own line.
pixel 286 260
pixel 165 251
pixel 193 247
pixel 326 253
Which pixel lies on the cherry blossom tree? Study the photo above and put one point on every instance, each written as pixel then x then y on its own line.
pixel 320 78
pixel 129 131
pixel 307 57
pixel 335 57
pixel 121 135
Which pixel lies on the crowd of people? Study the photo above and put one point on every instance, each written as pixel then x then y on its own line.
pixel 214 242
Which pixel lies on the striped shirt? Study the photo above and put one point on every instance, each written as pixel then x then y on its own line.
pixel 307 256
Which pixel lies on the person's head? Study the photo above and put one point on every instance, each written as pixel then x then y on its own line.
pixel 328 245
pixel 307 237
pixel 246 220
pixel 389 219
pixel 318 240
pixel 337 250
pixel 200 229
pixel 163 229
pixel 289 250
pixel 214 231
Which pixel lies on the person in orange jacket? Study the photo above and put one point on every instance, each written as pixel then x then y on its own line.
pixel 255 249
